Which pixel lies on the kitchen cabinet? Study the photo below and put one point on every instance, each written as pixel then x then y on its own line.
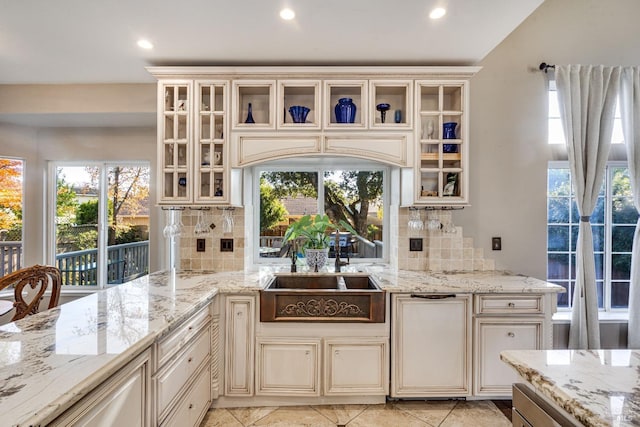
pixel 123 399
pixel 425 130
pixel 183 376
pixel 193 152
pixel 288 367
pixel 442 171
pixel 356 366
pixel 431 345
pixel 240 318
pixel 506 322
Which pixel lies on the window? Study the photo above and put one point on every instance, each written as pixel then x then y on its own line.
pixel 353 192
pixel 101 228
pixel 11 204
pixel 613 225
pixel 556 133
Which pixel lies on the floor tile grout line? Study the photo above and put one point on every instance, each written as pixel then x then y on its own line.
pixel 404 411
pixel 449 413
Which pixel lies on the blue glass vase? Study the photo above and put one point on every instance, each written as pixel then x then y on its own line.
pixel 249 115
pixel 345 110
pixel 449 132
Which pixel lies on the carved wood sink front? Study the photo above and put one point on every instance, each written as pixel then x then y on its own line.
pixel 322 298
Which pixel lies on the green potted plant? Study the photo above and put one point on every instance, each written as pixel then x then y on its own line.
pixel 314 233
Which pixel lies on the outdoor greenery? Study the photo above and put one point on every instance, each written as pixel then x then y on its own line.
pixel 314 231
pixel 348 196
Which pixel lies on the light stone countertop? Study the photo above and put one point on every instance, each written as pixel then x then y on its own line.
pixel 50 360
pixel 597 387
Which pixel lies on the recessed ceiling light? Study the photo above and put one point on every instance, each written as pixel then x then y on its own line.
pixel 437 13
pixel 145 44
pixel 287 14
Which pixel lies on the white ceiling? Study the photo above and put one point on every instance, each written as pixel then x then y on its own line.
pixel 94 41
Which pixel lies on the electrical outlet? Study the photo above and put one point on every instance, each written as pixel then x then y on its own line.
pixel 415 244
pixel 226 245
pixel 200 245
pixel 496 243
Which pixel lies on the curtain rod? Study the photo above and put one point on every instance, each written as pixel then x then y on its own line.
pixel 545 67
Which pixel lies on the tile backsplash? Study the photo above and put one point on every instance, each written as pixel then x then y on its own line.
pixel 441 251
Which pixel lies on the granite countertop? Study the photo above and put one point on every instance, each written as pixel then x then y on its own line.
pixel 50 360
pixel 597 387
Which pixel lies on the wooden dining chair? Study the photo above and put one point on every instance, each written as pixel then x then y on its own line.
pixel 39 278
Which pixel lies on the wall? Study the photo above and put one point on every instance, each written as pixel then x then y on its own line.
pixel 509 153
pixel 47 114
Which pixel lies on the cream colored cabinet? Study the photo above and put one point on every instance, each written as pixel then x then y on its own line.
pixel 288 367
pixel 506 322
pixel 355 367
pixel 183 376
pixel 442 172
pixel 123 399
pixel 240 321
pixel 193 152
pixel 431 345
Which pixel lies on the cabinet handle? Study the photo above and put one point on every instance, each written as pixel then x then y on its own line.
pixel 511 305
pixel 191 406
pixel 444 296
pixel 239 314
pixel 511 334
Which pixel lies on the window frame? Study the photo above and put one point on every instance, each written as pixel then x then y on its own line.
pixel 318 165
pixel 103 229
pixel 608 238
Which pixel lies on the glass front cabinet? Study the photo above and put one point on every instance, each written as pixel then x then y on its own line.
pixel 192 138
pixel 213 119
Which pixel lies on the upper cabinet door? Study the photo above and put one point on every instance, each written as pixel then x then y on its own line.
pixel 175 103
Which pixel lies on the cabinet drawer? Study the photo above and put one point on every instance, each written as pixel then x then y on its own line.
pixel 171 379
pixel 508 304
pixel 192 409
pixel 171 344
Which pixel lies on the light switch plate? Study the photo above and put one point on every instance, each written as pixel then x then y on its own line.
pixel 200 245
pixel 496 243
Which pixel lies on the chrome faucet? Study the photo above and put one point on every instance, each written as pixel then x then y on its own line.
pixel 336 247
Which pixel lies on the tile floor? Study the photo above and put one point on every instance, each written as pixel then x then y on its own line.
pixel 395 414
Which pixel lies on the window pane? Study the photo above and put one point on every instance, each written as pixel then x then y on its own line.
pixel 623 211
pixel 597 216
pixel 556 132
pixel 11 199
pixel 599 292
pixel 559 183
pixel 598 237
pixel 128 245
pixel 558 238
pixel 622 238
pixel 558 210
pixel 599 260
pixel 76 224
pixel 619 294
pixel 621 184
pixel 284 198
pixel 620 266
pixel 558 266
pixel 356 197
pixel 563 299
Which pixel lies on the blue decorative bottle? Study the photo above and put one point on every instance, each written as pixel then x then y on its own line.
pixel 345 110
pixel 249 115
pixel 449 132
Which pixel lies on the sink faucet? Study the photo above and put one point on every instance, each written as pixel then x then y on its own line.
pixel 336 247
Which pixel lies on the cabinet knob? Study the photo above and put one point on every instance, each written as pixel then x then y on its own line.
pixel 511 334
pixel 239 314
pixel 307 352
pixel 189 360
pixel 511 305
pixel 191 406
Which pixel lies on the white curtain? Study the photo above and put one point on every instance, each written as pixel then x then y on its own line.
pixel 587 96
pixel 630 111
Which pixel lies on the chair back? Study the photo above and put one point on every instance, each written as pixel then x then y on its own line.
pixel 39 278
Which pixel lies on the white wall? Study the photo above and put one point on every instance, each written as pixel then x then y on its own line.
pixel 509 152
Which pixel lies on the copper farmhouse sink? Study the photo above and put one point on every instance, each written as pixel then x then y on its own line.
pixel 322 298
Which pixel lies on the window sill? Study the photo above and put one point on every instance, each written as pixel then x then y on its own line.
pixel 604 317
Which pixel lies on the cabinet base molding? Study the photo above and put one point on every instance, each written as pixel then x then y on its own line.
pixel 248 402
